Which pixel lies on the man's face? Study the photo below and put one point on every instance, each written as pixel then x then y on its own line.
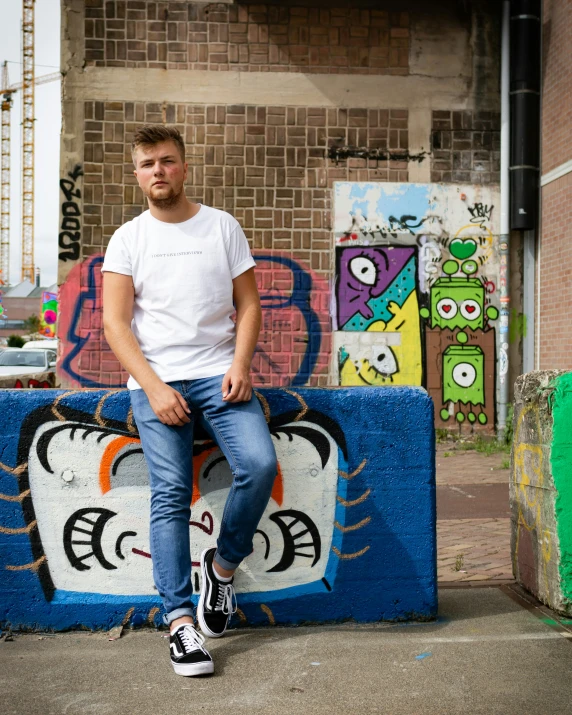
pixel 160 171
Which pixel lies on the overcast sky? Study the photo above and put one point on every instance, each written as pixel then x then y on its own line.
pixel 48 123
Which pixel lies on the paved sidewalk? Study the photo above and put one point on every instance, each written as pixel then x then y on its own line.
pixel 473 518
pixel 486 655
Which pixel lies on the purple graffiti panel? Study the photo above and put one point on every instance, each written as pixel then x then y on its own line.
pixel 365 273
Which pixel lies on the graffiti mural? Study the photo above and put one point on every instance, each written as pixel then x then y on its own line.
pixel 417 266
pixel 293 348
pixel 70 228
pixel 74 510
pixel 48 314
pixel 85 359
pixel 376 293
pixel 294 343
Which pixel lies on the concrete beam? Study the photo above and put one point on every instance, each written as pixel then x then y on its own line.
pixel 420 141
pixel 277 88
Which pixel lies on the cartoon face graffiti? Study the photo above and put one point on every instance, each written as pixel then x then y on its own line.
pixel 90 497
pixel 463 375
pixel 458 303
pixel 375 364
pixel 366 273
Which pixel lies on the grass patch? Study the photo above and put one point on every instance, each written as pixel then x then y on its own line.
pixel 505 464
pixel 441 434
pixel 485 446
pixel 446 454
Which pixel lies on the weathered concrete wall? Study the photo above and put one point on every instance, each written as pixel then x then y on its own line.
pixel 541 487
pixel 277 102
pixel 74 509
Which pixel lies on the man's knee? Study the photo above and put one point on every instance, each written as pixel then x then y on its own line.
pixel 171 500
pixel 259 466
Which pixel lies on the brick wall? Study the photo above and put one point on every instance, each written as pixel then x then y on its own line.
pixel 246 37
pixel 556 84
pixel 556 275
pixel 267 166
pixel 555 254
pixel 272 166
pixel 465 147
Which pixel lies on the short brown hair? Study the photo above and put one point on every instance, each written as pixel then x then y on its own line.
pixel 151 134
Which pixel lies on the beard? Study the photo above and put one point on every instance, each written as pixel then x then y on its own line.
pixel 170 201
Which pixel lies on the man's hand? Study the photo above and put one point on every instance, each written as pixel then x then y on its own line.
pixel 236 385
pixel 169 405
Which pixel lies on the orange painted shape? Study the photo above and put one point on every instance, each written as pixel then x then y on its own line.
pixel 198 462
pixel 111 451
pixel 278 488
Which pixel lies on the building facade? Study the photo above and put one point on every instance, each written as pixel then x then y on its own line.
pixel 358 145
pixel 554 271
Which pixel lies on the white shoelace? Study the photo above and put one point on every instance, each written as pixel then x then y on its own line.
pixel 226 599
pixel 191 640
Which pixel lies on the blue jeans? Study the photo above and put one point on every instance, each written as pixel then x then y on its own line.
pixel 241 432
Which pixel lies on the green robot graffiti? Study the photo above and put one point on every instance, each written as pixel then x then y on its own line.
pixel 464 381
pixel 459 303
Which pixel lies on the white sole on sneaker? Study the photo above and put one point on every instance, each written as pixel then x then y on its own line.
pixel 191 669
pixel 200 609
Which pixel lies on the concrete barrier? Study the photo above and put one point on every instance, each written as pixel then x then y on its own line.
pixel 349 532
pixel 541 487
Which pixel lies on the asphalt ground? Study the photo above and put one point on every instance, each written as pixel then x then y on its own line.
pixel 489 652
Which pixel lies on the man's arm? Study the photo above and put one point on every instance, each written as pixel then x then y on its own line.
pixel 118 298
pixel 236 385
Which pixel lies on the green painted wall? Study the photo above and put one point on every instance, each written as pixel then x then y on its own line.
pixel 561 464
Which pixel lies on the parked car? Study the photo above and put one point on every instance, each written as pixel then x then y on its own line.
pixel 48 344
pixel 17 361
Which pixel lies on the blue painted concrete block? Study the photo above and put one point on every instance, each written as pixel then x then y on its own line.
pixel 349 533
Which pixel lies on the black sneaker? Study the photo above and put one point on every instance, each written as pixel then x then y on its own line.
pixel 187 653
pixel 216 602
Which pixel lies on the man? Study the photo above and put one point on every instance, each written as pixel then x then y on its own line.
pixel 173 278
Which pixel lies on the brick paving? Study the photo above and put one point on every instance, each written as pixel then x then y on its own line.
pixel 471 550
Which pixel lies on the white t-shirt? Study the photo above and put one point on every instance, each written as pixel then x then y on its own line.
pixel 182 274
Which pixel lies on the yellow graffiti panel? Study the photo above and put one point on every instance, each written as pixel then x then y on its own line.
pixel 399 362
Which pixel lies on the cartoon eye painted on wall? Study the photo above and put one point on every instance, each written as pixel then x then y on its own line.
pixel 119 458
pixel 470 309
pixel 120 465
pixel 90 490
pixel 464 374
pixel 364 270
pixel 383 361
pixel 447 308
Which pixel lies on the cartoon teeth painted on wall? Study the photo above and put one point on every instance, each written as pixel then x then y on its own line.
pixel 81 508
pixel 416 292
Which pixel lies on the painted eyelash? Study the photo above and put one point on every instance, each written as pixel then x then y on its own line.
pixel 46 438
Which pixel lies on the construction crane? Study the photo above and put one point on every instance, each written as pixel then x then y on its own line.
pixel 28 76
pixel 6 92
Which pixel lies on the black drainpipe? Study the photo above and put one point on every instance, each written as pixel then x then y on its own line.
pixel 525 37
